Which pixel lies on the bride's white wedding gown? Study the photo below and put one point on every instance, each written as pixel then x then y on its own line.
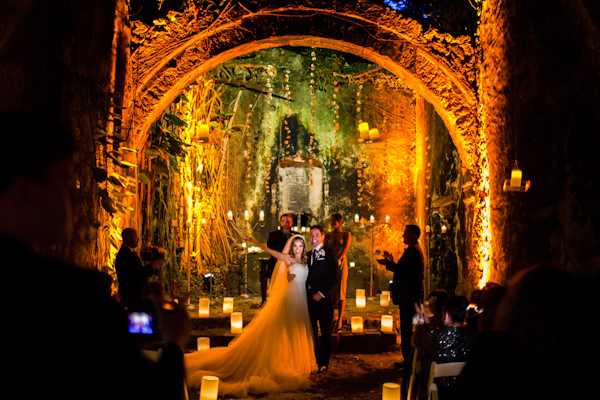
pixel 275 350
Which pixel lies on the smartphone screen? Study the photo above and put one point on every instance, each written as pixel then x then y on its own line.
pixel 140 322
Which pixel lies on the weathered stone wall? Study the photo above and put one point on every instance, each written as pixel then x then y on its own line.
pixel 56 58
pixel 539 93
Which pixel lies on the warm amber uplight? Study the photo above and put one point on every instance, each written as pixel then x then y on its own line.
pixel 237 323
pixel 361 300
pixel 204 308
pixel 203 343
pixel 482 208
pixel 357 324
pixel 209 389
pixel 387 323
pixel 227 305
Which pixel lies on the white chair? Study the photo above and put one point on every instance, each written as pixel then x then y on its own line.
pixel 416 367
pixel 440 371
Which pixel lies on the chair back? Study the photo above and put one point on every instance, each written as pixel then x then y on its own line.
pixel 441 371
pixel 416 368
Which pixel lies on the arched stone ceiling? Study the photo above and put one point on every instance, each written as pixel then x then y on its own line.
pixel 172 54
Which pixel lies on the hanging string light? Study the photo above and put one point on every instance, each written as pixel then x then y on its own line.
pixel 248 142
pixel 336 125
pixel 312 146
pixel 271 72
pixel 359 180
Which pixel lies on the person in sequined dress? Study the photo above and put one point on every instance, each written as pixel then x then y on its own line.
pixel 450 343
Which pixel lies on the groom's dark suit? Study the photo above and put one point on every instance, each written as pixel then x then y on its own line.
pixel 322 277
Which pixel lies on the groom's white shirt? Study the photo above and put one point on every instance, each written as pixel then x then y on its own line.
pixel 313 258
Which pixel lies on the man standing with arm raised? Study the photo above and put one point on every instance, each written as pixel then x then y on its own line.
pixel 322 277
pixel 407 284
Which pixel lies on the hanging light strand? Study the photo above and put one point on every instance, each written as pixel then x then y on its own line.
pixel 271 72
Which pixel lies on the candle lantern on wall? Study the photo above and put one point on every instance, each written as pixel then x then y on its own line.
pixel 204 308
pixel 209 389
pixel 237 323
pixel 361 300
pixel 373 135
pixel 357 324
pixel 363 128
pixel 387 323
pixel 203 133
pixel 227 305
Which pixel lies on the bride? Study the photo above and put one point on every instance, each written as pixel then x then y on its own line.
pixel 275 352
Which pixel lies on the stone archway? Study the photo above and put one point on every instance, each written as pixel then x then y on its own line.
pixel 439 67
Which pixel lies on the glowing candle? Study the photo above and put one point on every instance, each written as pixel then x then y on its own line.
pixel 209 389
pixel 262 215
pixel 237 323
pixel 356 218
pixel 444 229
pixel 204 308
pixel 357 324
pixel 515 177
pixel 203 133
pixel 372 219
pixel 227 305
pixel 384 299
pixel 427 228
pixel 374 134
pixel 387 323
pixel 229 215
pixel 203 343
pixel 363 128
pixel 391 391
pixel 361 300
pixel 246 215
pixel 352 264
pixel 387 219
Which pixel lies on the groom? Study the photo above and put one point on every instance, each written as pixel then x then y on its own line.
pixel 322 277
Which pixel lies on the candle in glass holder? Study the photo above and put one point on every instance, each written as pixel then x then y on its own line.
pixel 387 323
pixel 246 215
pixel 357 324
pixel 372 219
pixel 209 389
pixel 261 216
pixel 229 216
pixel 227 305
pixel 356 218
pixel 361 300
pixel 387 219
pixel 391 391
pixel 203 343
pixel 204 308
pixel 363 128
pixel 384 299
pixel 237 323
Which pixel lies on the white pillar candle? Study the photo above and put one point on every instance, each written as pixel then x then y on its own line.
pixel 391 391
pixel 262 215
pixel 203 343
pixel 387 323
pixel 361 300
pixel 357 324
pixel 356 218
pixel 209 389
pixel 246 215
pixel 372 219
pixel 204 308
pixel 363 128
pixel 384 299
pixel 387 219
pixel 227 305
pixel 229 215
pixel 237 323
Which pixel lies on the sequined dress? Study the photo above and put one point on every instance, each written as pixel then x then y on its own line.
pixel 444 345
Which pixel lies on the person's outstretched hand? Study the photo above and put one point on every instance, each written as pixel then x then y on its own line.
pixel 173 323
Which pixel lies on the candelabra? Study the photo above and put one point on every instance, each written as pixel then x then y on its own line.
pixel 371 228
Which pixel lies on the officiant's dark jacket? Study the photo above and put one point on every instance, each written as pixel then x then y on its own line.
pixel 322 275
pixel 276 241
pixel 408 272
pixel 132 275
